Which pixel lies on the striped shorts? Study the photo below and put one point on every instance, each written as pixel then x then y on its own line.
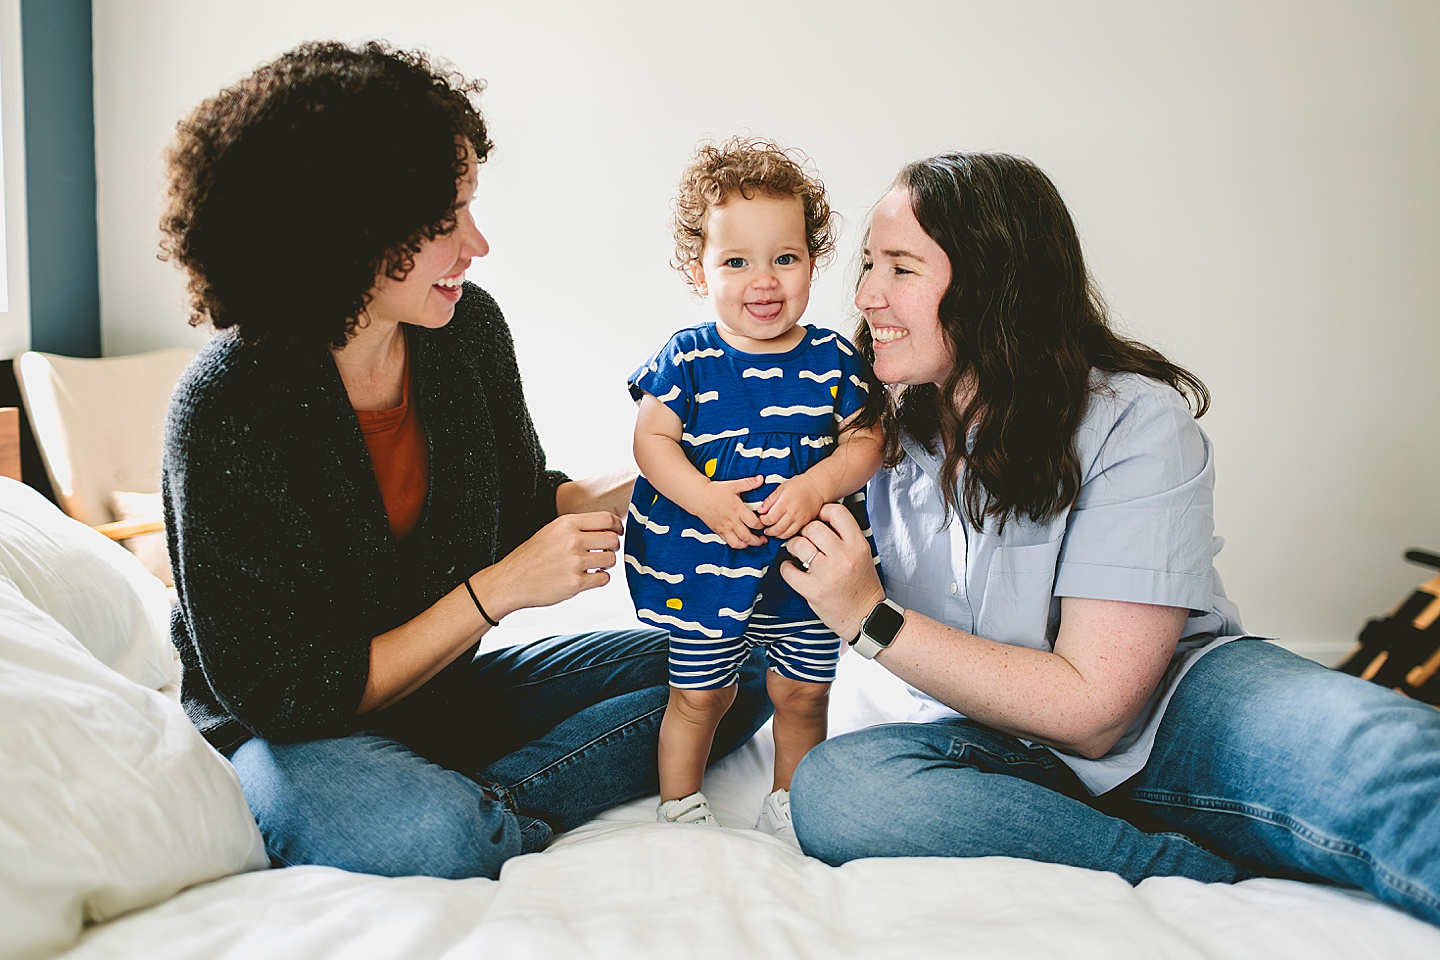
pixel 801 650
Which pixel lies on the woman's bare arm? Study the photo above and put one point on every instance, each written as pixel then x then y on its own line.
pixel 569 555
pixel 1108 658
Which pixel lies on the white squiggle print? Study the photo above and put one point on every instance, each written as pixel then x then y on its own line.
pixel 653 617
pixel 734 573
pixel 652 572
pixel 820 377
pixel 766 374
pixel 761 452
pixel 816 442
pixel 707 396
pixel 694 534
pixel 659 528
pixel 735 614
pixel 798 409
pixel 697 354
pixel 674 392
pixel 696 439
pixel 859 383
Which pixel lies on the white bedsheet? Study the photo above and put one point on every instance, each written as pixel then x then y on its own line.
pixel 623 886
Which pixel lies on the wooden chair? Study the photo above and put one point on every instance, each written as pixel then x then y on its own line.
pixel 1402 651
pixel 10 442
pixel 99 425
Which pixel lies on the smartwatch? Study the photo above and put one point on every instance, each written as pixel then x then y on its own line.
pixel 879 629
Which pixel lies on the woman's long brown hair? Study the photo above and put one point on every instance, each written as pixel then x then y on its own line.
pixel 1025 327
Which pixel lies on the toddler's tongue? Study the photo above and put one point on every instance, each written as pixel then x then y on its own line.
pixel 764 311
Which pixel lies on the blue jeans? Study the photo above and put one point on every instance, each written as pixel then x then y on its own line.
pixel 1265 764
pixel 533 740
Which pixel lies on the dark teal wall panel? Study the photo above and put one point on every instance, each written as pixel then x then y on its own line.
pixel 57 50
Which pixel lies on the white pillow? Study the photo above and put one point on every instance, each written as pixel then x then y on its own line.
pixel 94 587
pixel 110 800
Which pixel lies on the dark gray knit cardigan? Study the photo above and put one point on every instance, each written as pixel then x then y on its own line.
pixel 284 564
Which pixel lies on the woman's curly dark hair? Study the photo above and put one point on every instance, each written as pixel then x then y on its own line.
pixel 292 190
pixel 747 167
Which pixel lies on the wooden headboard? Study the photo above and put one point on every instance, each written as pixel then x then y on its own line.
pixel 10 442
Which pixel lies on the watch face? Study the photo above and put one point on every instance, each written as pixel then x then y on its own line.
pixel 883 623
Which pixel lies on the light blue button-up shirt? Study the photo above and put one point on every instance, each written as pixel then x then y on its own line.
pixel 1141 530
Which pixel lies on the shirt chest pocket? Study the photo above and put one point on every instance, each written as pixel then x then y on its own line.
pixel 1018 604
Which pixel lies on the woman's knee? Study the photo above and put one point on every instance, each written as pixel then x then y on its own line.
pixel 400 816
pixel 843 791
pixel 837 773
pixel 908 789
pixel 455 833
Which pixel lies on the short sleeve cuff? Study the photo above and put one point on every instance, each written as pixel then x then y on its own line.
pixel 649 380
pixel 1159 587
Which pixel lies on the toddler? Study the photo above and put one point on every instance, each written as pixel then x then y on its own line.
pixel 747 426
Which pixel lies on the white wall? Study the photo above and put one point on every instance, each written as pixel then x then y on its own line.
pixel 1256 184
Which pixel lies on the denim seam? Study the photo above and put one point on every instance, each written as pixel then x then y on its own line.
pixel 1008 758
pixel 574 754
pixel 550 678
pixel 1304 831
pixel 496 790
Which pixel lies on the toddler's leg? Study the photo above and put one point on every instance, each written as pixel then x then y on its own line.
pixel 686 735
pixel 801 711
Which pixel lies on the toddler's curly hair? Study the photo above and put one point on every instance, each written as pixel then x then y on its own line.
pixel 748 167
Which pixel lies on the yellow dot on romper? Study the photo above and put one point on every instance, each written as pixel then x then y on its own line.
pixel 655 499
pixel 673 604
pixel 834 391
pixel 710 468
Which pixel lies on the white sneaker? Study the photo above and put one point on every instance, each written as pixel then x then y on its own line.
pixel 775 817
pixel 694 809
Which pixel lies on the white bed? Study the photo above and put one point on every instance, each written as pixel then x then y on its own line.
pixel 122 834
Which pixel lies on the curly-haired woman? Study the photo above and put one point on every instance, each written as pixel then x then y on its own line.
pixel 355 493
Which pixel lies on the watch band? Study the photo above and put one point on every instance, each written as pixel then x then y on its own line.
pixel 878 630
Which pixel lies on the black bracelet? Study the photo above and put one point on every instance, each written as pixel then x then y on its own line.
pixel 493 623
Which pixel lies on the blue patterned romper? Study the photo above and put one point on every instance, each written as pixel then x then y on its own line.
pixel 744 415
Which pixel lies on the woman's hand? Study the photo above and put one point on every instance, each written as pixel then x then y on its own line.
pixel 838 578
pixel 718 503
pixel 568 555
pixel 790 506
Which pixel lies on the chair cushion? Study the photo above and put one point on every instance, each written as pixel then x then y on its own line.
pixel 150 548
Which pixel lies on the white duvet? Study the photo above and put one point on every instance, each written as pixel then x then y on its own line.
pixel 623 886
pixel 122 834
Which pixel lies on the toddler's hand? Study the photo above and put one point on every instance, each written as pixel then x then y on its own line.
pixel 727 515
pixel 792 505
